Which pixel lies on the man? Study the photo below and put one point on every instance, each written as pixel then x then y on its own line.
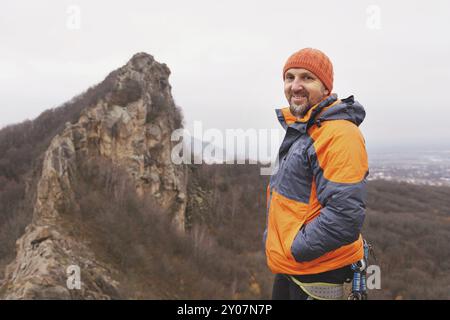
pixel 316 197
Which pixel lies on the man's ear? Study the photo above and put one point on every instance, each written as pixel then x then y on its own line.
pixel 326 92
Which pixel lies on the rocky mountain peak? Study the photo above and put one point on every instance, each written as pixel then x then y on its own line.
pixel 130 126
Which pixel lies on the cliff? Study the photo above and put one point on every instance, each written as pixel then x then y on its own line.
pixel 129 126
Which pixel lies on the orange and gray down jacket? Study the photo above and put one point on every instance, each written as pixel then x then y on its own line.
pixel 316 195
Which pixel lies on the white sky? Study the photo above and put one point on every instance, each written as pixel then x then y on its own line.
pixel 226 57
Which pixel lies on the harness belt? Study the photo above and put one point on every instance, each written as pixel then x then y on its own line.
pixel 321 290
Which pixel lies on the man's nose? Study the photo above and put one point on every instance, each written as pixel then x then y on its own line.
pixel 297 85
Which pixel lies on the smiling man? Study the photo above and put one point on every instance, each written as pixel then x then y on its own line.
pixel 316 197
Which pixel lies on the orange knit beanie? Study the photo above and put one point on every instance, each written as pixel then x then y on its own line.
pixel 315 61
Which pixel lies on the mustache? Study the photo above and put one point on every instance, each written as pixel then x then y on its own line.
pixel 303 93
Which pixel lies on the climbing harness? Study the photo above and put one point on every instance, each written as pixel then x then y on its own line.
pixel 321 290
pixel 335 291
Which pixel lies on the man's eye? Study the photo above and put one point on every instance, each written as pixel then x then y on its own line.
pixel 308 78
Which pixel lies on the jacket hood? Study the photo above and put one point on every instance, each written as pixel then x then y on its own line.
pixel 328 109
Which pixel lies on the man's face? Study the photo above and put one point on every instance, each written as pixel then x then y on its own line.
pixel 302 90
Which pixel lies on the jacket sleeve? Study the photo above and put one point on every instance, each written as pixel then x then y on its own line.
pixel 340 166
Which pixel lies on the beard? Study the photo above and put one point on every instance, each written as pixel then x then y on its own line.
pixel 299 110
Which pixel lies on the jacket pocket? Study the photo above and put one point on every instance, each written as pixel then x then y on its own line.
pixel 286 216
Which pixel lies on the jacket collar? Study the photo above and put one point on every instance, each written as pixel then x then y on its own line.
pixel 330 108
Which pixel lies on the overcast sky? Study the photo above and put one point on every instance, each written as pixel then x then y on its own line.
pixel 226 57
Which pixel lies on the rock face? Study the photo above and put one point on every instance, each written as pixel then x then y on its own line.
pixel 131 125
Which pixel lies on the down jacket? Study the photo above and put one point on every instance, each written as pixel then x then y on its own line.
pixel 316 195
